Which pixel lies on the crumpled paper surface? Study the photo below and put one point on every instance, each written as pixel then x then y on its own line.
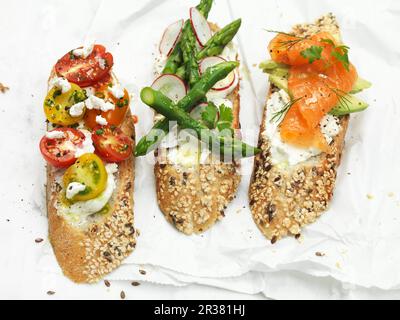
pixel 358 236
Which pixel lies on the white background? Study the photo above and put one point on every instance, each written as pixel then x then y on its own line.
pixel 360 235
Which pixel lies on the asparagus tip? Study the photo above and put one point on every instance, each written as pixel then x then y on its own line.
pixel 147 95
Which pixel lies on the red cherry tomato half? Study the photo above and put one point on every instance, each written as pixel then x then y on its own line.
pixel 85 71
pixel 112 144
pixel 60 152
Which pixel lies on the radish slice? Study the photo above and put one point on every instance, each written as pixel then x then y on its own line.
pixel 223 84
pixel 170 37
pixel 170 85
pixel 209 62
pixel 200 26
pixel 198 110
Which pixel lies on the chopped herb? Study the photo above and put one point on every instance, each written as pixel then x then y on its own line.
pixel 71 55
pixel 57 93
pixel 100 95
pixel 49 103
pixel 225 119
pixel 209 115
pixel 312 54
pixel 328 41
pixel 124 147
pixel 99 132
pixel 218 118
pixel 74 126
pixel 342 55
pixel 122 103
pixel 77 96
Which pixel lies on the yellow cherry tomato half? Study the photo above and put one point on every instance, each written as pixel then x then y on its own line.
pixel 57 105
pixel 90 171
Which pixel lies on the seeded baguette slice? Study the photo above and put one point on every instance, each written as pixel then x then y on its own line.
pixel 86 254
pixel 194 199
pixel 282 201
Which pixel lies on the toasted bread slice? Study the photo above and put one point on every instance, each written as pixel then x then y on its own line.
pixel 92 249
pixel 194 198
pixel 283 200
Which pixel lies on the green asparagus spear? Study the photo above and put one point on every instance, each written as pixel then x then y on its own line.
pixel 219 40
pixel 205 7
pixel 227 146
pixel 181 72
pixel 189 51
pixel 173 61
pixel 195 95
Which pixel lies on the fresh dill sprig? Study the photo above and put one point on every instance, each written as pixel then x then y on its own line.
pixel 288 43
pixel 277 116
pixel 342 96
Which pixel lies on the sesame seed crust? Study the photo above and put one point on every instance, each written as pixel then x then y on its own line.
pixel 283 200
pixel 193 199
pixel 87 254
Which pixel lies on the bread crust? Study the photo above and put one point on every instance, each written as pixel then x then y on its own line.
pixel 87 255
pixel 282 201
pixel 193 199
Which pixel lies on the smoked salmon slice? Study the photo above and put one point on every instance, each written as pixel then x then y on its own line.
pixel 317 80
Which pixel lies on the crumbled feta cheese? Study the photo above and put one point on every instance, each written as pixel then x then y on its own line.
pixel 77 109
pixel 102 62
pixel 96 103
pixel 83 52
pixel 101 121
pixel 60 83
pixel 117 91
pixel 111 168
pixel 90 91
pixel 330 127
pixel 55 134
pixel 87 145
pixel 74 188
pixel 283 153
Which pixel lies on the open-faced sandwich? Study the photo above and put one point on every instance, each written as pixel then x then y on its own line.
pixel 89 147
pixel 302 134
pixel 196 97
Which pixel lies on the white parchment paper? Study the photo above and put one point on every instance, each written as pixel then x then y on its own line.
pixel 359 235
